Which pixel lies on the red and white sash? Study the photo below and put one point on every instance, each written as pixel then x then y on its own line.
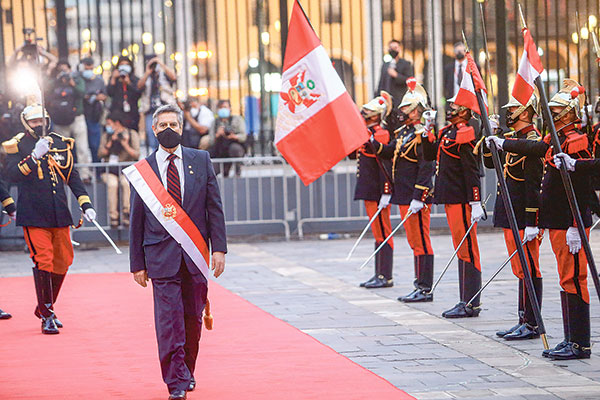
pixel 170 214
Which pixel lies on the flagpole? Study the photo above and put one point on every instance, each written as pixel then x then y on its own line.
pixel 510 212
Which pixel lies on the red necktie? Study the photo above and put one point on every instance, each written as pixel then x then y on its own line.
pixel 173 185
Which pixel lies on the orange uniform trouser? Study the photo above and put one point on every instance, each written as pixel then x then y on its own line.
pixel 417 230
pixel 459 220
pixel 50 248
pixel 572 268
pixel 532 252
pixel 382 226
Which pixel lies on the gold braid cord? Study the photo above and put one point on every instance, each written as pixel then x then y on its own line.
pixel 412 146
pixel 57 169
pixel 508 165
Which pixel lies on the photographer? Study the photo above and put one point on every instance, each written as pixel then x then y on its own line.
pixel 157 86
pixel 124 93
pixel 118 144
pixel 228 135
pixel 93 105
pixel 198 120
pixel 64 101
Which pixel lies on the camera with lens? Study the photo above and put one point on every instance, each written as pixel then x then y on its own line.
pixel 123 71
pixel 29 50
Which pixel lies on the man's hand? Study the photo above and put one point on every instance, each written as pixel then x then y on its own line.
pixel 415 206
pixel 392 72
pixel 141 277
pixel 220 131
pixel 561 158
pixel 90 215
pixel 218 263
pixel 531 232
pixel 573 240
pixel 477 212
pixel 42 146
pixel 384 200
pixel 496 140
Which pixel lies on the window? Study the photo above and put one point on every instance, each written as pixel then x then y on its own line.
pixel 332 11
pixel 387 11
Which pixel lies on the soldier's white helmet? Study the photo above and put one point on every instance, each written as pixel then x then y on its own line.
pixel 533 102
pixel 380 105
pixel 571 96
pixel 33 111
pixel 414 97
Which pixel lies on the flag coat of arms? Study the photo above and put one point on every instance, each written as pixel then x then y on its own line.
pixel 530 67
pixel 466 93
pixel 318 123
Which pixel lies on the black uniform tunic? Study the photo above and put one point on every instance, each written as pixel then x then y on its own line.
pixel 523 175
pixel 554 210
pixel 42 199
pixel 370 179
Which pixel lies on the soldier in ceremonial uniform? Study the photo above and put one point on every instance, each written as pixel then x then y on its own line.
pixel 42 166
pixel 523 177
pixel 556 216
pixel 457 186
pixel 373 186
pixel 11 209
pixel 412 176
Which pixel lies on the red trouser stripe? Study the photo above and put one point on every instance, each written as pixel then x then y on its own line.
pixel 459 220
pixel 572 268
pixel 417 230
pixel 382 226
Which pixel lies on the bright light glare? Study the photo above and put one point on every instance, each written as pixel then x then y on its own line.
pixel 24 81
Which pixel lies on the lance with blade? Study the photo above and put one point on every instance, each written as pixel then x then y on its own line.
pixel 508 207
pixel 566 178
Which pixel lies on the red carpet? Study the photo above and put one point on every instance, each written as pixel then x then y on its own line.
pixel 107 350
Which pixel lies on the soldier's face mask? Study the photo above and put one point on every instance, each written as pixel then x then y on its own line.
pixel 402 117
pixel 451 113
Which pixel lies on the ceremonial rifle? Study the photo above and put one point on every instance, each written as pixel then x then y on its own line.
pixel 566 178
pixel 508 207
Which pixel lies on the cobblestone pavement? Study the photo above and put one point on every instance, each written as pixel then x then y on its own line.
pixel 310 285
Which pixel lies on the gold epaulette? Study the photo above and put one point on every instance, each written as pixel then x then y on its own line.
pixel 533 135
pixel 11 146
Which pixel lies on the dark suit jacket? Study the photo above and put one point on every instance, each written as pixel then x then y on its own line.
pixel 449 80
pixel 151 246
pixel 395 86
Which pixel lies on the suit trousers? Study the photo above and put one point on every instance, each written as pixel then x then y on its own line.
pixel 178 305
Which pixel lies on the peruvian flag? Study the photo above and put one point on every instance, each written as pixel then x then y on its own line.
pixel 466 93
pixel 318 124
pixel 530 67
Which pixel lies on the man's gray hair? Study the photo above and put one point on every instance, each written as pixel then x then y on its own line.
pixel 168 108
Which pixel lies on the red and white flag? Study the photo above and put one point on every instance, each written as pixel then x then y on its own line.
pixel 318 124
pixel 530 67
pixel 466 93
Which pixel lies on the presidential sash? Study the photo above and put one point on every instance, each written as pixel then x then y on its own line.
pixel 170 214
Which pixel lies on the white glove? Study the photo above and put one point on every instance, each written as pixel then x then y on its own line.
pixel 42 146
pixel 569 162
pixel 476 211
pixel 384 200
pixel 90 215
pixel 531 233
pixel 573 240
pixel 497 141
pixel 415 206
pixel 494 122
pixel 429 117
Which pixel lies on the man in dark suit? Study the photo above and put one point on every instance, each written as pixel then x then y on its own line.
pixel 157 252
pixel 453 72
pixel 394 74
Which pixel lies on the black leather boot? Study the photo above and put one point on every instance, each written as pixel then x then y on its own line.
pixel 43 289
pixel 4 315
pixel 578 345
pixel 57 281
pixel 565 318
pixel 469 282
pixel 423 280
pixel 529 329
pixel 386 265
pixel 377 263
pixel 521 313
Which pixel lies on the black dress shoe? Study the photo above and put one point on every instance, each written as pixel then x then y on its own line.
pixel 4 315
pixel 416 296
pixel 369 281
pixel 523 332
pixel 380 282
pixel 460 310
pixel 58 323
pixel 49 326
pixel 177 395
pixel 192 385
pixel 561 345
pixel 572 351
pixel 507 331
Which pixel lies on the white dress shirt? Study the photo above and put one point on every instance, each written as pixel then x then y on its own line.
pixel 163 164
pixel 464 67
